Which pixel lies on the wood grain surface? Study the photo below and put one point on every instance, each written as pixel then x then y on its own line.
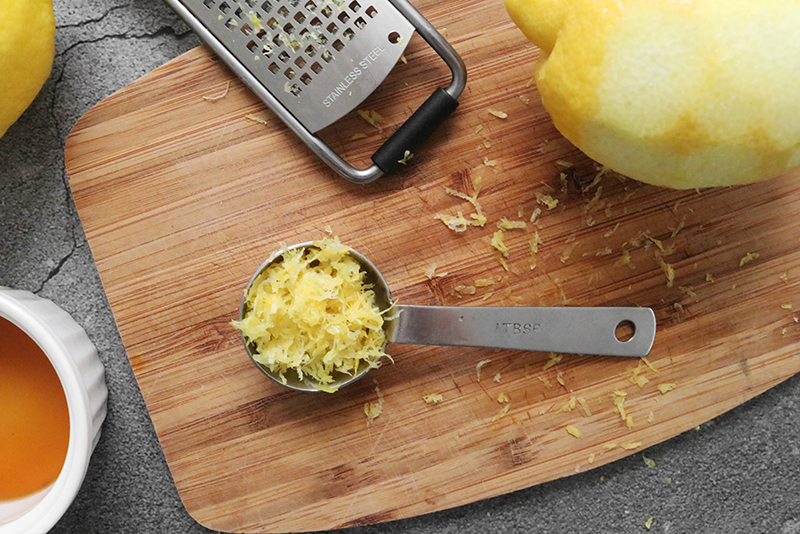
pixel 182 198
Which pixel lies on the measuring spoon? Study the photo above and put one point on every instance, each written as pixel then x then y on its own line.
pixel 571 330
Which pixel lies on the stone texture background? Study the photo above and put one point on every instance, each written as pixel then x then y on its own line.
pixel 739 473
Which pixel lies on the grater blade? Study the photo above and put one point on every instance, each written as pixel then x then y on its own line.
pixel 319 58
pixel 273 44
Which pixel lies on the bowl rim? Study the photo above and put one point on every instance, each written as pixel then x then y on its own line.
pixel 55 499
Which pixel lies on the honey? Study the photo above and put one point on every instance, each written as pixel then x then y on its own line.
pixel 34 419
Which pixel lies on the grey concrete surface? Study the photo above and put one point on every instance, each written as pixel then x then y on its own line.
pixel 739 473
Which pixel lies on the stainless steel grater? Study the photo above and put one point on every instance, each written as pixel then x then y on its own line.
pixel 314 61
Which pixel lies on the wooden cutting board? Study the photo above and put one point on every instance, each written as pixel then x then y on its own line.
pixel 182 198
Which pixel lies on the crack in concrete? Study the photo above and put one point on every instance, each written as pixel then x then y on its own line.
pixel 102 17
pixel 57 269
pixel 130 34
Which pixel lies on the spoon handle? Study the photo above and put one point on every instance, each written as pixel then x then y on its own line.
pixel 558 329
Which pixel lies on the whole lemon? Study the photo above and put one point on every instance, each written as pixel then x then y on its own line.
pixel 27 36
pixel 678 93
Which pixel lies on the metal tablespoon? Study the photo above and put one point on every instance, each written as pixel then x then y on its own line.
pixel 572 330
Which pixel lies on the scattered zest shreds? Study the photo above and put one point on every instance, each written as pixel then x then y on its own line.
pixel 255 118
pixel 406 158
pixel 464 290
pixel 650 365
pixel 546 200
pixel 631 445
pixel 505 224
pixel 501 413
pixel 750 256
pixel 372 117
pixel 498 114
pixel 584 406
pixel 374 409
pixel 648 523
pixel 498 244
pixel 649 462
pixel 220 96
pixel 669 272
pixel 664 388
pixel 554 359
pixel 574 431
pixel 503 398
pixel 458 223
pixel 433 398
pixel 619 401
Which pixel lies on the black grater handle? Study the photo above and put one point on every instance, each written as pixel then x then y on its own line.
pixel 410 135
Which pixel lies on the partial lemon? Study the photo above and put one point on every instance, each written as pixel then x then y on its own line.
pixel 677 93
pixel 27 36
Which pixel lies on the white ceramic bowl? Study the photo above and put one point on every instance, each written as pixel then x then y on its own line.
pixel 75 359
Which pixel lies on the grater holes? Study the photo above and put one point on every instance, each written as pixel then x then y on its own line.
pixel 294 3
pixel 289 73
pixel 322 39
pixel 209 3
pixel 273 23
pixel 283 56
pixel 310 51
pixel 251 3
pixel 310 5
pixel 267 50
pixel 338 45
pixel 238 13
pixel 327 11
pixel 274 68
pixel 316 23
pixel 231 24
pixel 327 56
pixel 332 28
pixel 305 78
pixel 343 17
pixel 283 11
pixel 266 7
pixel 360 23
pixel 292 88
pixel 354 6
pixel 348 34
pixel 371 12
pixel 300 62
pixel 252 46
pixel 288 29
pixel 299 17
pixel 316 68
pixel 246 29
pixel 261 33
pixel 394 37
pixel 224 7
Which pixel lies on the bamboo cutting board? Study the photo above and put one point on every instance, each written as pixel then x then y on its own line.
pixel 182 198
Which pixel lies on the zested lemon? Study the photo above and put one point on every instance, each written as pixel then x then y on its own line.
pixel 678 93
pixel 27 34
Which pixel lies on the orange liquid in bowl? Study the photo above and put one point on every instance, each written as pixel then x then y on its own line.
pixel 34 419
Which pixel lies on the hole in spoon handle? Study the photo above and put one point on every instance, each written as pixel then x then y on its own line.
pixel 611 331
